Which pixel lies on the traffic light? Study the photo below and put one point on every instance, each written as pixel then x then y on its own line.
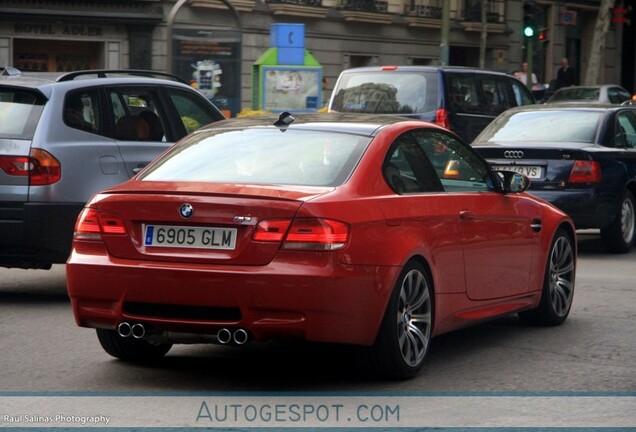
pixel 529 18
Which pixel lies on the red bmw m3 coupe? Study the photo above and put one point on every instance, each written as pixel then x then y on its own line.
pixel 376 231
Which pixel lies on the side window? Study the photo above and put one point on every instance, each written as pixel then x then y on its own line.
pixel 495 95
pixel 136 114
pixel 407 169
pixel 617 95
pixel 521 92
pixel 192 110
pixel 464 93
pixel 626 130
pixel 81 111
pixel 456 165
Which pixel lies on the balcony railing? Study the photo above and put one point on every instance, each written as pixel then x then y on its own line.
pixel 495 11
pixel 317 3
pixel 424 9
pixel 378 6
pixel 418 12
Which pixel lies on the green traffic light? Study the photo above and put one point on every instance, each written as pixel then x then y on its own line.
pixel 528 31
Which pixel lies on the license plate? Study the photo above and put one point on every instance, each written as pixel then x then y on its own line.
pixel 190 237
pixel 530 171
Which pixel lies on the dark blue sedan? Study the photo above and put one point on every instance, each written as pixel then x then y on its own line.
pixel 581 158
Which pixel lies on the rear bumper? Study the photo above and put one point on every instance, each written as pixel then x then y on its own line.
pixel 588 208
pixel 331 302
pixel 36 235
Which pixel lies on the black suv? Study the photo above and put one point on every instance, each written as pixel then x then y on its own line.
pixel 461 99
pixel 64 137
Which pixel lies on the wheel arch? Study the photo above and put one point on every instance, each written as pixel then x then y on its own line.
pixel 569 229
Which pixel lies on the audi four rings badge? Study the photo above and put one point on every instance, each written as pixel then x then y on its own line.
pixel 513 154
pixel 186 210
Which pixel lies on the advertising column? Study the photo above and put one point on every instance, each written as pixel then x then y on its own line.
pixel 210 62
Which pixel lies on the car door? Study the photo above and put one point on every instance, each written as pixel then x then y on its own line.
pixel 467 108
pixel 625 138
pixel 138 123
pixel 494 228
pixel 79 139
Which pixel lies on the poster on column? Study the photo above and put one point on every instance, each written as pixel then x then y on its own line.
pixel 292 88
pixel 211 64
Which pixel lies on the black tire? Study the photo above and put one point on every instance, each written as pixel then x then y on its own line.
pixel 558 284
pixel 405 333
pixel 131 349
pixel 619 236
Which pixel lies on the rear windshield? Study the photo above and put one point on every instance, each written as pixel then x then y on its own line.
pixel 542 126
pixel 262 155
pixel 574 93
pixel 20 111
pixel 386 92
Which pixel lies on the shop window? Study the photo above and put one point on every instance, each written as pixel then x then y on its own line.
pixel 55 56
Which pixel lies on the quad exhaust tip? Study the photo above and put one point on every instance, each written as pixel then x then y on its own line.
pixel 238 336
pixel 224 336
pixel 124 329
pixel 137 331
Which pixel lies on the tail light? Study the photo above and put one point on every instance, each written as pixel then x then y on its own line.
pixel 272 230
pixel 584 171
pixel 304 233
pixel 441 118
pixel 40 167
pixel 91 224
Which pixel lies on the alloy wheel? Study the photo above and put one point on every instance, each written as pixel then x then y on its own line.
pixel 627 220
pixel 561 276
pixel 414 318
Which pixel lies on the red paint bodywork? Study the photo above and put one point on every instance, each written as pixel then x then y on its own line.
pixel 484 258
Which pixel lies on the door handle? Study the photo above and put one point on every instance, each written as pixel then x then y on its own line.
pixel 536 225
pixel 138 168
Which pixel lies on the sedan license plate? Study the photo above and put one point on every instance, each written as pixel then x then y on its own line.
pixel 190 237
pixel 530 171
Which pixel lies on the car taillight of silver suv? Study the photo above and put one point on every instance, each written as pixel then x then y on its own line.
pixel 40 167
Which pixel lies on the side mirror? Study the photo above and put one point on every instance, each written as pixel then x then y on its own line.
pixel 514 182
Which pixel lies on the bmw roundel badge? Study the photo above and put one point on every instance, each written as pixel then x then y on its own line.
pixel 186 210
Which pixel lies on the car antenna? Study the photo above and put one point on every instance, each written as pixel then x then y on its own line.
pixel 284 120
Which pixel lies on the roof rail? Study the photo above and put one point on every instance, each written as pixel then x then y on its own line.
pixel 10 71
pixel 103 73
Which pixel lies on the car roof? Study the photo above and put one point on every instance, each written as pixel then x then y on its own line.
pixel 600 86
pixel 569 106
pixel 84 78
pixel 424 69
pixel 354 123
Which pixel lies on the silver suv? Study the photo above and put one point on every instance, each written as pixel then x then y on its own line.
pixel 64 137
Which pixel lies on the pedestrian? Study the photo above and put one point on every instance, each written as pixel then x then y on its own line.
pixel 523 76
pixel 565 76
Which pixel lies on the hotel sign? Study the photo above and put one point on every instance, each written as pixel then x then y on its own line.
pixel 58 29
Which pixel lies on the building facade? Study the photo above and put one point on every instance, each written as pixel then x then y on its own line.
pixel 228 36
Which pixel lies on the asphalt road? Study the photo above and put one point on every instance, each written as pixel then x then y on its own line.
pixel 595 350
